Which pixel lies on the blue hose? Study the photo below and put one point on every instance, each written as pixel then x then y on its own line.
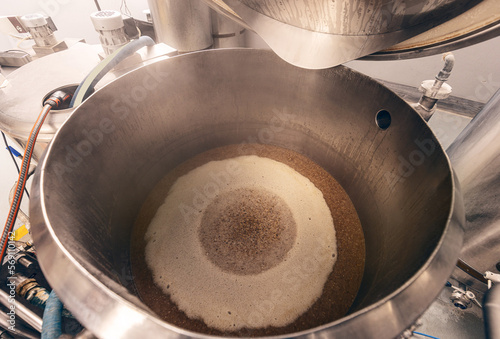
pixel 39 296
pixel 52 317
pixel 425 335
pixel 86 87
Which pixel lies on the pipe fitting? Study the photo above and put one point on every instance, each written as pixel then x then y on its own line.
pixel 434 90
pixel 37 295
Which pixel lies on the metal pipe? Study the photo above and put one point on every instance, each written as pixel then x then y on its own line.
pixel 475 156
pixel 21 330
pixel 23 312
pixel 491 310
pixel 449 62
pixel 97 5
pixel 182 24
pixel 29 289
pixel 443 75
pixel 225 32
pixel 222 9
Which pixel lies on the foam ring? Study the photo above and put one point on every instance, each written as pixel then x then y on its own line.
pixel 288 241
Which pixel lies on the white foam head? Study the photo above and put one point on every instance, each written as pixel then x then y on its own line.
pixel 224 299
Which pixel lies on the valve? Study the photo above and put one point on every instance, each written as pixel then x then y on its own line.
pixel 492 277
pixel 434 90
pixel 463 299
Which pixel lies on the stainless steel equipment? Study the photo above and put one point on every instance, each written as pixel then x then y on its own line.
pixel 28 87
pixel 474 155
pixel 320 34
pixel 226 33
pixel 22 97
pixel 43 35
pixel 480 23
pixel 183 24
pixel 109 154
pixel 110 26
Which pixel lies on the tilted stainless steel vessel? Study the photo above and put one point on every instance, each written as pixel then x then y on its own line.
pixel 112 150
pixel 320 34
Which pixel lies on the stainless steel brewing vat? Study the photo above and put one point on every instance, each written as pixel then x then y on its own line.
pixel 319 33
pixel 109 154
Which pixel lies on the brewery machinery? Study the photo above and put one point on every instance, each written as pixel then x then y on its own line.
pixel 414 250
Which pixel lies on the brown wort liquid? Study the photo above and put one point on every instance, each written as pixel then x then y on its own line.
pixel 343 282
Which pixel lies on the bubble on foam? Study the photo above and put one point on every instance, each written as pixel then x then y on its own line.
pixel 228 301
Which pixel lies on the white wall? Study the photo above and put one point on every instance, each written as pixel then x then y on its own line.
pixel 476 75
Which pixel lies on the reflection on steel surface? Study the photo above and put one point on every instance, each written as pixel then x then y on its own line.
pixel 184 25
pixel 480 23
pixel 111 152
pixel 475 156
pixel 320 34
